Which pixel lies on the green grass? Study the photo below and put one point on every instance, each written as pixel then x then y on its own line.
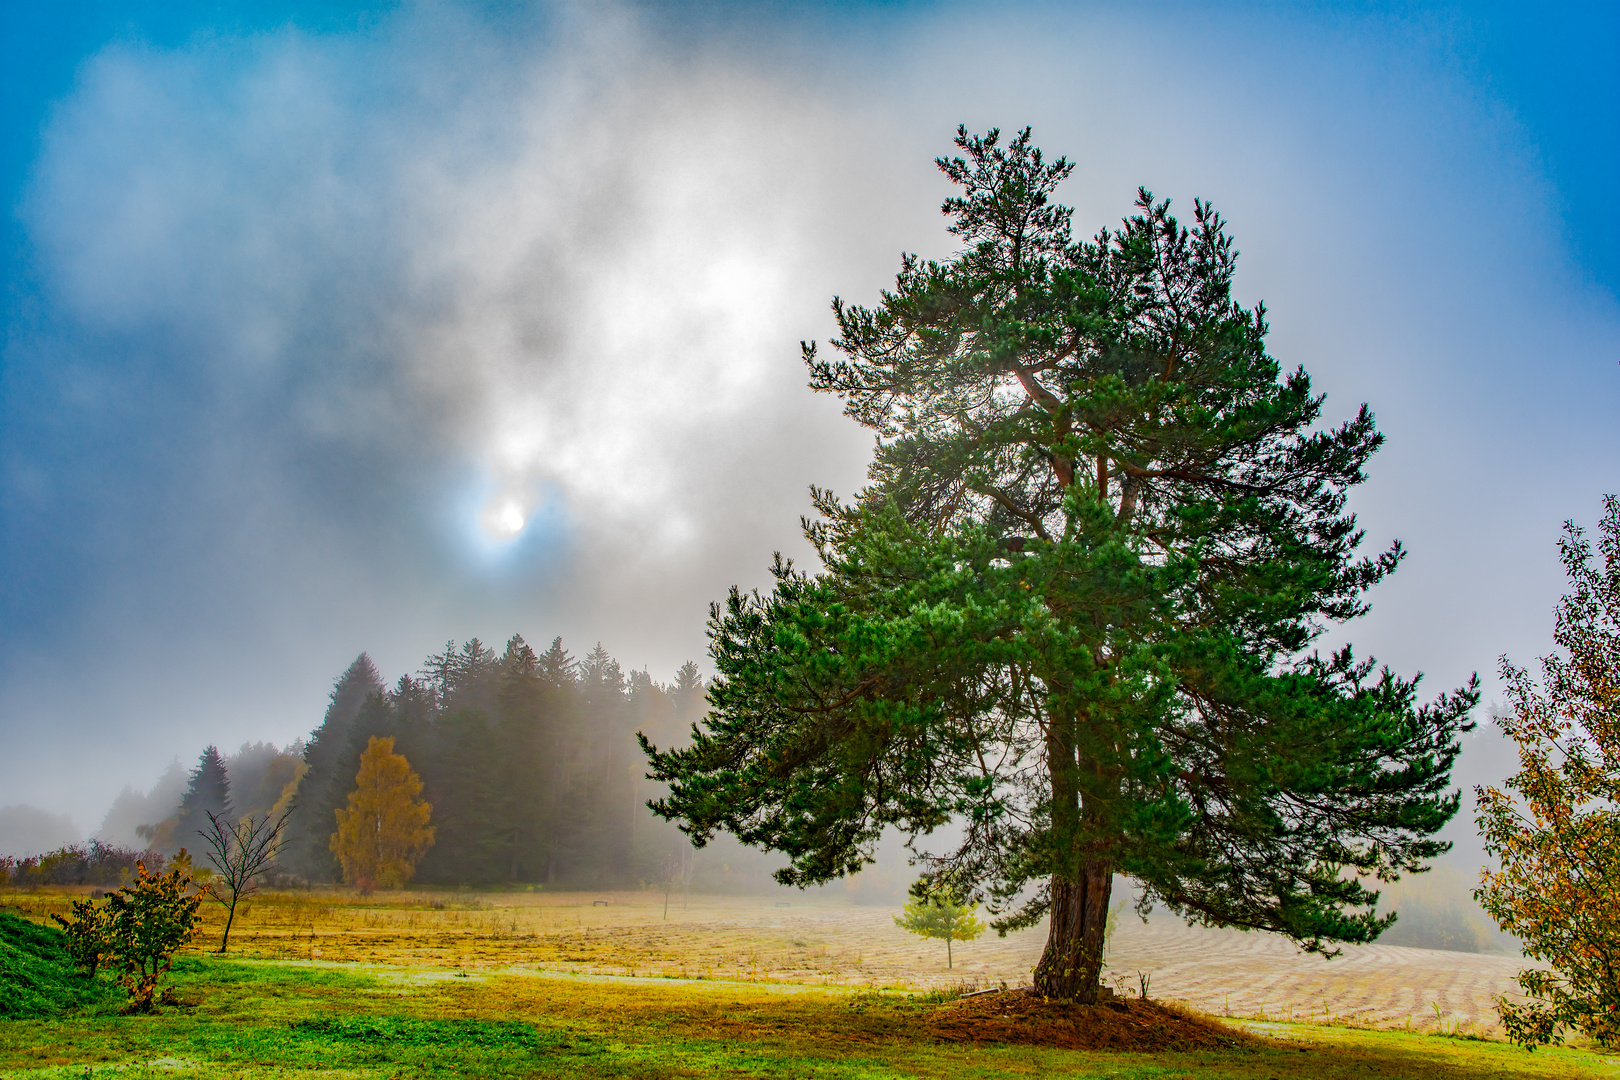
pixel 268 1019
pixel 37 976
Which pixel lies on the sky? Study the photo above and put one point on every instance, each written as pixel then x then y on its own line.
pixel 341 327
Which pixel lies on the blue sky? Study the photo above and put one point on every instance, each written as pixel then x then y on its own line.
pixel 305 301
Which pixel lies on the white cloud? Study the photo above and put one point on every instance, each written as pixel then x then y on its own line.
pixel 421 274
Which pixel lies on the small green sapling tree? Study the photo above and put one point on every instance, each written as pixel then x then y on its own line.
pixel 939 912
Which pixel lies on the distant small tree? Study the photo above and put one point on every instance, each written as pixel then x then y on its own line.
pixel 242 851
pixel 938 911
pixel 671 873
pixel 147 921
pixel 1559 886
pixel 385 830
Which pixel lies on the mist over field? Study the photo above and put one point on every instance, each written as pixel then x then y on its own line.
pixel 344 336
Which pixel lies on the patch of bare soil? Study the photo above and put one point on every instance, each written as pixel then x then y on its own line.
pixel 1027 1019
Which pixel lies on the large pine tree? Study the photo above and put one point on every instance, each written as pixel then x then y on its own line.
pixel 1072 615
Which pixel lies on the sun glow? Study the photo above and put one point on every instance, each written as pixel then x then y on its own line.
pixel 504 518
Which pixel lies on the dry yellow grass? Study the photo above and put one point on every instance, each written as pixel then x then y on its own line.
pixel 828 942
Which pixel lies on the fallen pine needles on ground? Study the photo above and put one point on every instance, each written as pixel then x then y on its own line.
pixel 1021 1017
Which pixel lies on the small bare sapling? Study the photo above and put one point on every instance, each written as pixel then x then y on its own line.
pixel 241 852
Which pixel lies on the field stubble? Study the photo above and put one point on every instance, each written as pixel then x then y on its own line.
pixel 821 942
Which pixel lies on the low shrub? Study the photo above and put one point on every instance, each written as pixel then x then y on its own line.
pixel 137 931
pixel 94 863
pixel 85 931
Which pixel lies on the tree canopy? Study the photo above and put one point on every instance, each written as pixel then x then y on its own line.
pixel 1072 615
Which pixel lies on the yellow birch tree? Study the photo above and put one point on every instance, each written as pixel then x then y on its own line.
pixel 385 829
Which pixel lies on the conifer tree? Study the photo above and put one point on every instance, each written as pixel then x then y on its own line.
pixel 687 693
pixel 325 782
pixel 208 793
pixel 595 835
pixel 1073 612
pixel 557 667
pixel 523 737
pixel 559 672
pixel 936 911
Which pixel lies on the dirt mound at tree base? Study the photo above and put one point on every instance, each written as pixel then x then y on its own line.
pixel 1025 1018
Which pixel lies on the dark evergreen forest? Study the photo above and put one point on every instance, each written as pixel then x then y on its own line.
pixel 528 759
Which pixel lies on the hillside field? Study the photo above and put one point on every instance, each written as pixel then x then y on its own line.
pixel 602 984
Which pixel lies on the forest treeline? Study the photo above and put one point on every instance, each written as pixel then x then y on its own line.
pixel 528 759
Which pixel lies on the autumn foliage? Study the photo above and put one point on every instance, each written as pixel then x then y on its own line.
pixel 385 829
pixel 138 930
pixel 1556 829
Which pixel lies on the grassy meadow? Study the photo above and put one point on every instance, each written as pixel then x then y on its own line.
pixel 331 984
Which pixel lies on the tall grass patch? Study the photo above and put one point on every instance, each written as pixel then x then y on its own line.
pixel 37 975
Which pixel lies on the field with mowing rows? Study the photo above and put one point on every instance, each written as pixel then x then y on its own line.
pixel 538 984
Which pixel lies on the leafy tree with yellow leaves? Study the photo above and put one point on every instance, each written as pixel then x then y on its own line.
pixel 385 829
pixel 1556 829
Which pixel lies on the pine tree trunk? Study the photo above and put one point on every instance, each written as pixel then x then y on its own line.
pixel 1071 967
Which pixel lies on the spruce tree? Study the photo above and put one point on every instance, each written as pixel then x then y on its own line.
pixel 1073 613
pixel 687 693
pixel 559 673
pixel 594 838
pixel 209 792
pixel 557 666
pixel 522 740
pixel 328 777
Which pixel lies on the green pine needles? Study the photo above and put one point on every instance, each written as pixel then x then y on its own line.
pixel 1071 617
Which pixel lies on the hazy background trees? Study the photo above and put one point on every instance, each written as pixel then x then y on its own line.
pixel 527 758
pixel 542 714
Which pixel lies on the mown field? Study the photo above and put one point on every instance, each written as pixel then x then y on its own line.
pixel 537 984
